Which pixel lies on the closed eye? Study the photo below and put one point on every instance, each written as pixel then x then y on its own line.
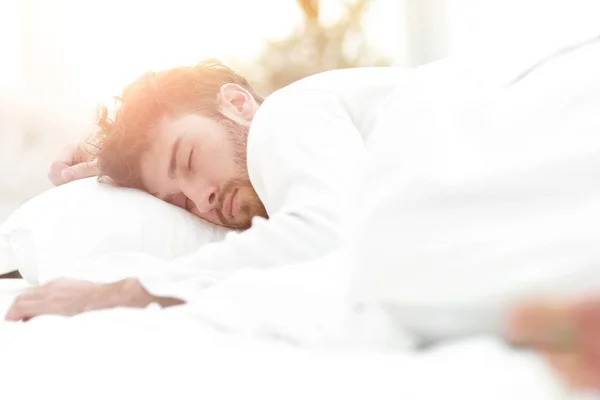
pixel 190 159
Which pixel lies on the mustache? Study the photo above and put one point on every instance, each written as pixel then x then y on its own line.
pixel 220 203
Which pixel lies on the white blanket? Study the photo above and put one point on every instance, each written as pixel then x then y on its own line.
pixel 154 353
pixel 488 197
pixel 151 353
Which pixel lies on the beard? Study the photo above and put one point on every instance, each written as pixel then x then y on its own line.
pixel 250 205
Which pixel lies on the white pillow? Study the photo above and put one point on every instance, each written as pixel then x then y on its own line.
pixel 86 219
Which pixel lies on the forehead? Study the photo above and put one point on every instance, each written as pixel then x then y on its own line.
pixel 171 125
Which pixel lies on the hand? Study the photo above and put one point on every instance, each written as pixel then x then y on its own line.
pixel 71 297
pixel 565 333
pixel 61 297
pixel 73 163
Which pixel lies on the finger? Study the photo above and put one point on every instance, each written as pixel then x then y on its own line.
pixel 543 325
pixel 55 178
pixel 25 301
pixel 55 172
pixel 24 310
pixel 79 171
pixel 67 158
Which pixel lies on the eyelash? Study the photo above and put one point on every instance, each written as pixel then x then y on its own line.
pixel 190 160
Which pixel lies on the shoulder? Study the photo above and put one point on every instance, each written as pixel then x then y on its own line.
pixel 340 80
pixel 291 104
pixel 327 89
pixel 337 81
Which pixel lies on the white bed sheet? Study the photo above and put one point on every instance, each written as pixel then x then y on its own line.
pixel 179 353
pixel 9 288
pixel 155 353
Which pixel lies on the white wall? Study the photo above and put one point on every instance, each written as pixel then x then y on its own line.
pixel 480 29
pixel 486 27
pixel 71 54
pixel 10 43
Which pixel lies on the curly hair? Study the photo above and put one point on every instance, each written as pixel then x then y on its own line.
pixel 123 139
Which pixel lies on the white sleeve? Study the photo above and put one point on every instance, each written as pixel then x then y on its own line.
pixel 304 156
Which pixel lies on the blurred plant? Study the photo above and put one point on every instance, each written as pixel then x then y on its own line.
pixel 314 47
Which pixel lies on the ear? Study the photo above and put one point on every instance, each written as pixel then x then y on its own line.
pixel 237 103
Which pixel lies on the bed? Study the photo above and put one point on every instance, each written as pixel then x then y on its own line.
pixel 218 352
pixel 121 354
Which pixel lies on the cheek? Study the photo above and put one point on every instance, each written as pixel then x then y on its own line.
pixel 221 159
pixel 212 168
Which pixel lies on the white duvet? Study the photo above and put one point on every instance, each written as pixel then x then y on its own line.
pixel 493 197
pixel 151 354
pixel 155 353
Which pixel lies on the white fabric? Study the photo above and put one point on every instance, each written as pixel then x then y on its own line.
pixel 305 150
pixel 305 304
pixel 164 354
pixel 492 197
pixel 9 289
pixel 6 264
pixel 70 223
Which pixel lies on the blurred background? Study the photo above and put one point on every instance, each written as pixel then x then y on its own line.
pixel 60 58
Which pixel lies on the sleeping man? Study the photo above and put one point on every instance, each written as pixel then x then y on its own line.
pixel 283 172
pixel 455 200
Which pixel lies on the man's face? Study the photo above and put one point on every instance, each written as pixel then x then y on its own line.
pixel 199 164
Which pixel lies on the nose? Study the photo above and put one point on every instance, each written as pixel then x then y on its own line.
pixel 204 198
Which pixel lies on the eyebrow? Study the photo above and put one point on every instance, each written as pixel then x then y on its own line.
pixel 173 161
